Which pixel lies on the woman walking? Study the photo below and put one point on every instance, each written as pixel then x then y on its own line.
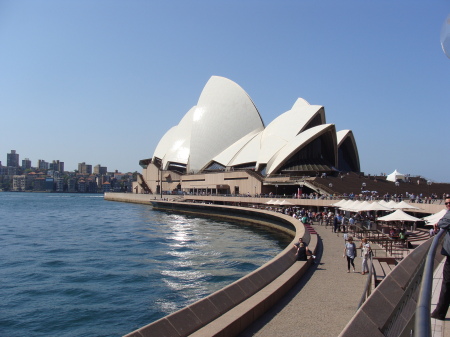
pixel 350 253
pixel 366 250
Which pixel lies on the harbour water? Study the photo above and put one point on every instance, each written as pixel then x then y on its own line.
pixel 77 265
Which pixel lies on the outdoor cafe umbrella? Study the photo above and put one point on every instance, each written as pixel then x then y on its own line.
pixel 284 202
pixel 270 202
pixel 434 218
pixel 339 203
pixel 404 205
pixel 376 206
pixel 398 215
pixel 351 206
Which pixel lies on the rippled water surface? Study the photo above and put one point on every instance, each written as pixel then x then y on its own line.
pixel 77 265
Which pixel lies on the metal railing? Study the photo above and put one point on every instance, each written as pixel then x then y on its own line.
pixel 422 319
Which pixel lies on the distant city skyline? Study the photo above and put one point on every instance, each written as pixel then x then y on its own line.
pixel 102 81
pixel 34 163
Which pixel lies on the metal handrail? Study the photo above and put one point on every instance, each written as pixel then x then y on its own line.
pixel 422 319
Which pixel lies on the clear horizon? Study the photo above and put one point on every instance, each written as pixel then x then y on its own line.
pixel 102 81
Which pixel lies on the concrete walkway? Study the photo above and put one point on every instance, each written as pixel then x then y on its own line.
pixel 324 300
pixel 439 328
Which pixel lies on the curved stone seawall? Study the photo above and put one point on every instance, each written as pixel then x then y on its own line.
pixel 230 310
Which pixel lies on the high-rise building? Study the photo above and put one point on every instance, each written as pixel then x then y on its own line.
pixel 26 164
pixel 42 164
pixel 84 168
pixel 57 165
pixel 98 169
pixel 12 159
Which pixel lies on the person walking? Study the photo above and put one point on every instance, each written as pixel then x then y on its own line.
pixel 444 297
pixel 350 253
pixel 365 251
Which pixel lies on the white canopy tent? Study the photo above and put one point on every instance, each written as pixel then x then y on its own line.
pixel 339 203
pixel 361 206
pixel 404 205
pixel 350 205
pixel 376 206
pixel 394 176
pixel 434 218
pixel 398 215
pixel 284 202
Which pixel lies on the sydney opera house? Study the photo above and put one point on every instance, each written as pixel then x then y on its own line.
pixel 222 146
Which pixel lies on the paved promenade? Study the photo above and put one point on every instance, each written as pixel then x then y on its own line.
pixel 439 328
pixel 324 300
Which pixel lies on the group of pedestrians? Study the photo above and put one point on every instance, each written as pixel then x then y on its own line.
pixel 350 251
pixel 350 254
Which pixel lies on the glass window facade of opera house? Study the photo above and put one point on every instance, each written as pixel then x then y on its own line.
pixel 221 146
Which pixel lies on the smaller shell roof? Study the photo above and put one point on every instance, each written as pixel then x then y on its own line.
pixel 286 127
pixel 296 144
pixel 227 157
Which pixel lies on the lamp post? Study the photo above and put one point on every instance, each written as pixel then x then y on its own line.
pixel 276 190
pixel 255 191
pixel 429 184
pixel 397 184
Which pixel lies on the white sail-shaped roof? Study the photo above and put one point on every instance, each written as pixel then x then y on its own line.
pixel 286 127
pixel 296 144
pixel 223 115
pixel 226 157
pixel 179 149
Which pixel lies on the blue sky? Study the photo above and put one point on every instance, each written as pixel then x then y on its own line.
pixel 101 81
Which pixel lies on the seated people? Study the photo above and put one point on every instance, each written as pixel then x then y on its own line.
pixel 302 251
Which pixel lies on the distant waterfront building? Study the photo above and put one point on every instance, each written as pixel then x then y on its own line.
pixel 26 164
pixel 81 186
pixel 49 184
pixel 19 183
pixel 106 187
pixel 42 164
pixel 56 165
pixel 98 169
pixel 60 185
pixel 8 170
pixel 71 185
pixel 39 184
pixel 12 159
pixel 84 168
pixel 221 145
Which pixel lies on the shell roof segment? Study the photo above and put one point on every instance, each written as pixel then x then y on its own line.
pixel 223 115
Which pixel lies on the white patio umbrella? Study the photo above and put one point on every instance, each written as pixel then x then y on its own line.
pixel 404 205
pixel 361 206
pixel 284 202
pixel 339 203
pixel 398 215
pixel 383 203
pixel 434 218
pixel 277 202
pixel 351 206
pixel 391 204
pixel 346 203
pixel 377 206
pixel 270 202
